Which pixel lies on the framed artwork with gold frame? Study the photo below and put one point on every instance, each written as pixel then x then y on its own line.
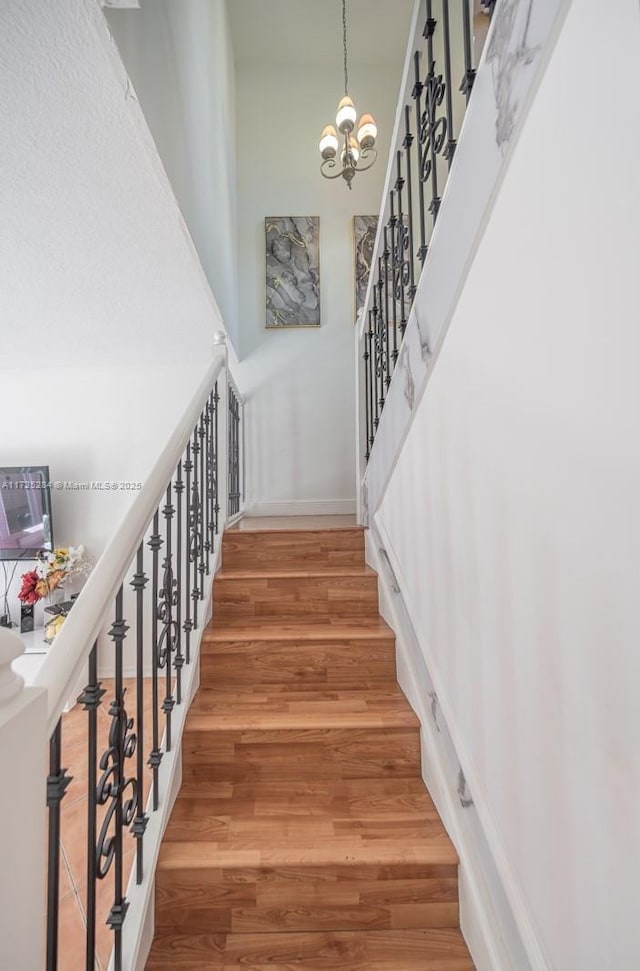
pixel 292 271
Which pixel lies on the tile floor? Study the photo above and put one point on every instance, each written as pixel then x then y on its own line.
pixel 73 839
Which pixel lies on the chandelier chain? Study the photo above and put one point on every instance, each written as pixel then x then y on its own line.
pixel 344 45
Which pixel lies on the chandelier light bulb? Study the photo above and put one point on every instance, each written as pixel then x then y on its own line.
pixel 354 151
pixel 346 115
pixel 328 142
pixel 367 132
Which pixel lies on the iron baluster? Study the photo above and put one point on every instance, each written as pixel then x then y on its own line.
pixel 402 266
pixel 188 623
pixel 91 699
pixel 376 357
pixel 205 439
pixel 178 661
pixel 202 567
pixel 57 783
pixel 365 357
pixel 433 129
pixel 167 600
pixel 216 508
pixel 112 788
pixel 383 332
pixel 196 512
pixel 139 583
pixel 211 520
pixel 407 144
pixel 391 242
pixel 417 97
pixel 373 398
pixel 469 72
pixel 155 756
pixel 451 143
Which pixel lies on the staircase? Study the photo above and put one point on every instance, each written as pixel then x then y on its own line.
pixel 303 836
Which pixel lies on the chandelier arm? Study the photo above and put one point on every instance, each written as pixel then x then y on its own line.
pixel 365 154
pixel 330 163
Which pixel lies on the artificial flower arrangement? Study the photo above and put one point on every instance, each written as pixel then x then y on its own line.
pixel 52 571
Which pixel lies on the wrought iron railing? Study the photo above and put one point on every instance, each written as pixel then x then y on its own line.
pixel 167 576
pixel 439 80
pixel 139 617
pixel 235 451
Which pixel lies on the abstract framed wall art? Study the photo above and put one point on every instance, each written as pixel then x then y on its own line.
pixel 364 238
pixel 292 271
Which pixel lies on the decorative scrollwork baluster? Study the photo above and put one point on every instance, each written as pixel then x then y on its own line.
pixel 410 255
pixel 139 582
pixel 202 565
pixel 178 661
pixel 188 622
pixel 91 699
pixel 390 233
pixel 207 525
pixel 216 493
pixel 402 273
pixel 155 756
pixel 115 790
pixel 384 325
pixel 373 398
pixel 195 525
pixel 169 632
pixel 433 127
pixel 448 81
pixel 211 521
pixel 365 357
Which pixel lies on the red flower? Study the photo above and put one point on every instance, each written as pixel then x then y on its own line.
pixel 28 593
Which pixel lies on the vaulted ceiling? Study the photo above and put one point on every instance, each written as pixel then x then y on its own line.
pixel 309 32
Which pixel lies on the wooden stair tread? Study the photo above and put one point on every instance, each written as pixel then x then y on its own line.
pixel 408 950
pixel 275 629
pixel 275 695
pixel 231 706
pixel 296 573
pixel 369 809
pixel 297 792
pixel 343 852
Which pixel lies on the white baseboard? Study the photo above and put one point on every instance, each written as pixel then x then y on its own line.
pixel 491 920
pixel 303 507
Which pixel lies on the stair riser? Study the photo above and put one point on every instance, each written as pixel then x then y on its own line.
pixel 301 754
pixel 270 550
pixel 269 662
pixel 295 597
pixel 201 902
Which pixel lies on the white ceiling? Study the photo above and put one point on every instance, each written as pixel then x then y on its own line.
pixel 309 32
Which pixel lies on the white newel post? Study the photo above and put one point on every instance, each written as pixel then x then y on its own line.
pixel 23 819
pixel 220 343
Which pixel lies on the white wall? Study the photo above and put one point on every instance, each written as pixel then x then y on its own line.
pixel 106 318
pixel 179 57
pixel 511 515
pixel 300 382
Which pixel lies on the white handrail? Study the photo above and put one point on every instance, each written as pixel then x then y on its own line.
pixel 70 649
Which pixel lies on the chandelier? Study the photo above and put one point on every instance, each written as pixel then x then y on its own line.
pixel 358 152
